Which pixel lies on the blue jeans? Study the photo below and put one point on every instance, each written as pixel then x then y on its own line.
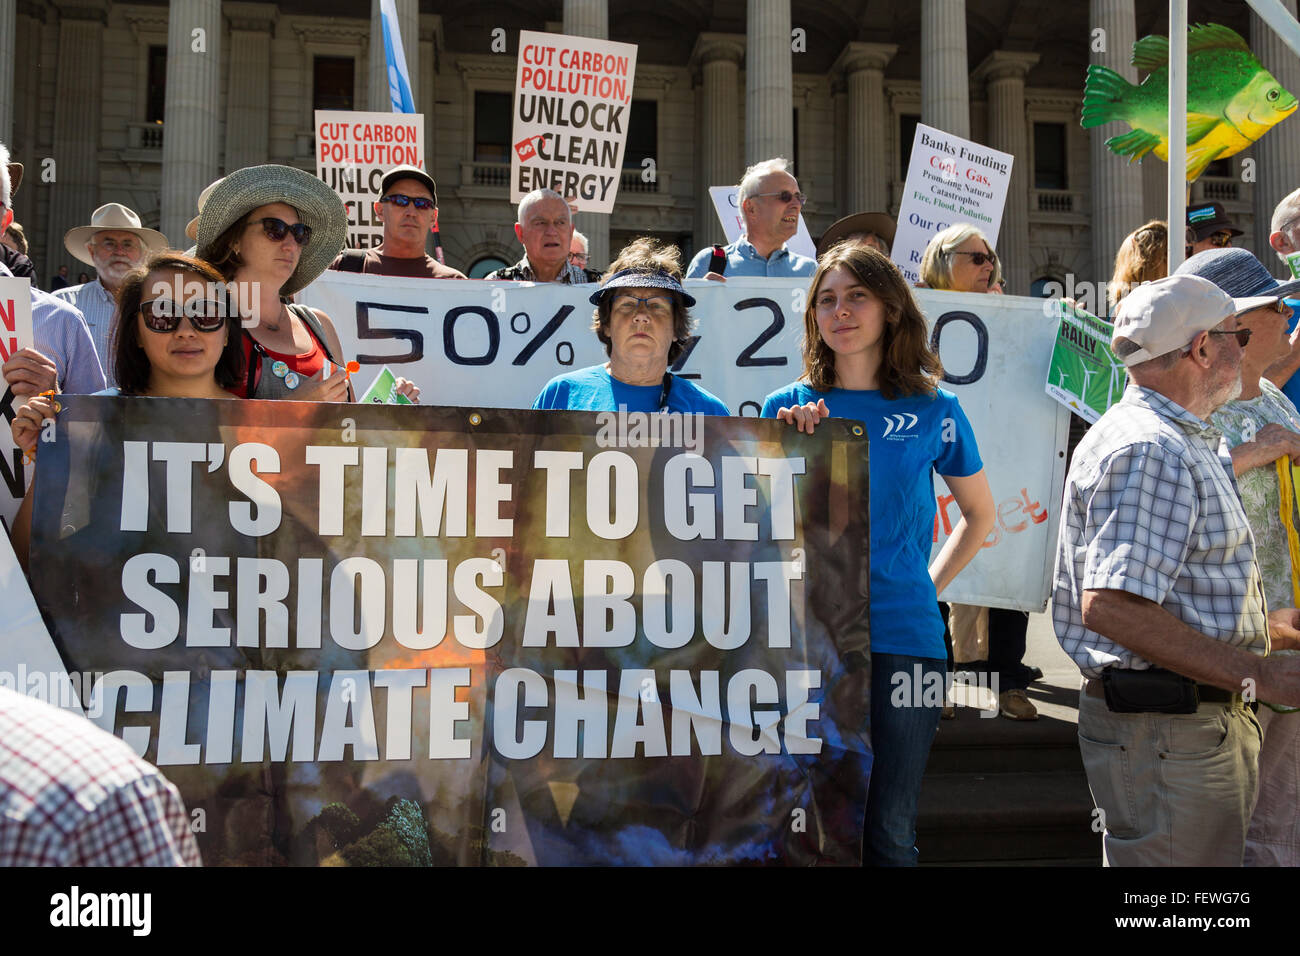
pixel 904 719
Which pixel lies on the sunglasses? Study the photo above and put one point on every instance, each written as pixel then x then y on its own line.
pixel 979 258
pixel 164 315
pixel 1221 240
pixel 277 229
pixel 401 202
pixel 1243 335
pixel 785 196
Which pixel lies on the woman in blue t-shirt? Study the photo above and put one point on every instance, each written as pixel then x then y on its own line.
pixel 866 356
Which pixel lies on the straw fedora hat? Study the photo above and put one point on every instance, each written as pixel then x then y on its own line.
pixel 118 218
pixel 192 227
pixel 318 206
pixel 882 224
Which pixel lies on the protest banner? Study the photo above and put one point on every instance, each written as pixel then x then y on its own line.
pixel 1084 374
pixel 573 102
pixel 726 202
pixel 15 335
pixel 500 342
pixel 354 150
pixel 29 663
pixel 949 180
pixel 379 634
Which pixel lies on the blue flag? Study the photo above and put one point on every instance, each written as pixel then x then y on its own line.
pixel 399 81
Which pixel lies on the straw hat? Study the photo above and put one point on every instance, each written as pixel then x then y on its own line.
pixel 118 218
pixel 192 227
pixel 318 206
pixel 15 177
pixel 882 224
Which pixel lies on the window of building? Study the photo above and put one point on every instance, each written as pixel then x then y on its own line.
pixel 492 119
pixel 1049 156
pixel 642 134
pixel 906 133
pixel 1220 167
pixel 1045 287
pixel 333 82
pixel 156 100
pixel 485 265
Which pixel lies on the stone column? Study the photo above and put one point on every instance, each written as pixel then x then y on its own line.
pixel 30 23
pixel 717 57
pixel 1275 153
pixel 863 66
pixel 247 115
pixel 78 90
pixel 8 36
pixel 408 21
pixel 1116 184
pixel 590 18
pixel 1004 72
pixel 769 82
pixel 945 100
pixel 191 121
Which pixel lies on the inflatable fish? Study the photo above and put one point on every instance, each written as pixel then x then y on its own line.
pixel 1231 99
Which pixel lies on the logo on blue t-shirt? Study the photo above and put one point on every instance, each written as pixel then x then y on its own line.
pixel 897 427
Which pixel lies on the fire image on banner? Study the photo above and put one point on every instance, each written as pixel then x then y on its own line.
pixel 354 150
pixel 573 100
pixel 429 635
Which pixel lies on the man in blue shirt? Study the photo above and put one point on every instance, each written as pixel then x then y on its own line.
pixel 770 203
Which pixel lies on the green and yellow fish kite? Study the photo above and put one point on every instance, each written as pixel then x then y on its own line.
pixel 1231 99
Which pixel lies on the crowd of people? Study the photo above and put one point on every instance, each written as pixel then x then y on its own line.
pixel 1172 551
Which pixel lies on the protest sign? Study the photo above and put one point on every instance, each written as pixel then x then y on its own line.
pixel 573 102
pixel 949 180
pixel 383 390
pixel 1084 374
pixel 500 342
pixel 379 634
pixel 354 150
pixel 29 663
pixel 727 204
pixel 15 335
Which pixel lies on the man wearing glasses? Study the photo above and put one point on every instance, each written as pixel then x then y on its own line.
pixel 770 203
pixel 1208 227
pixel 408 209
pixel 114 243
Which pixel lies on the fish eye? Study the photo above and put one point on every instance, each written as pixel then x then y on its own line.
pixel 1273 94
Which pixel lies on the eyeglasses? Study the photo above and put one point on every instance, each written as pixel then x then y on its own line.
pixel 785 196
pixel 277 229
pixel 578 258
pixel 1221 240
pixel 1243 335
pixel 112 246
pixel 656 306
pixel 401 202
pixel 978 258
pixel 164 315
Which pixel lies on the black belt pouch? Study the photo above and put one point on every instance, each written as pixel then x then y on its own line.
pixel 1148 692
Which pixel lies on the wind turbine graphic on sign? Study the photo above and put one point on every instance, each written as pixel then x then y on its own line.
pixel 1084 374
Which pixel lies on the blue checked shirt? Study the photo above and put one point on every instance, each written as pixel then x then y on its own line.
pixel 98 306
pixel 743 260
pixel 60 334
pixel 1151 508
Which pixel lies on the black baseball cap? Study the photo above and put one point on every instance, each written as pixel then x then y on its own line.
pixel 408 172
pixel 1207 218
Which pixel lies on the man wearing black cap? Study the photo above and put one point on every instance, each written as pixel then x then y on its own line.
pixel 1208 227
pixel 408 209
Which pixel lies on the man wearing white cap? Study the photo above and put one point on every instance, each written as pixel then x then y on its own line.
pixel 114 243
pixel 1158 597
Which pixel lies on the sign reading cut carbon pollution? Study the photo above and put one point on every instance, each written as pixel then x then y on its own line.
pixel 379 634
pixel 1085 376
pixel 354 150
pixel 15 335
pixel 573 103
pixel 450 337
pixel 949 180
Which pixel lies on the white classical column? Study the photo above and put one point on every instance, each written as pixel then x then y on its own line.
pixel 8 37
pixel 78 91
pixel 945 98
pixel 1277 153
pixel 863 66
pixel 190 119
pixel 1116 184
pixel 1004 73
pixel 30 23
pixel 769 82
pixel 717 56
pixel 590 18
pixel 408 21
pixel 248 128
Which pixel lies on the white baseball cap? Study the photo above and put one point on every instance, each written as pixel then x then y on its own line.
pixel 1167 314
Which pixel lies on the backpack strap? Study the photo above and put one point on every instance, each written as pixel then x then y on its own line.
pixel 352 260
pixel 309 319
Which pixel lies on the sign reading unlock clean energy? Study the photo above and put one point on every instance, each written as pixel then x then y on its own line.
pixel 949 180
pixel 573 103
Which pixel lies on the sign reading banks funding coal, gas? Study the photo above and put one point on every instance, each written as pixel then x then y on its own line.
pixel 573 103
pixel 354 150
pixel 949 180
pixel 374 634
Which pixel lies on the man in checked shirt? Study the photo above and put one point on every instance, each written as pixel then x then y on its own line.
pixel 73 795
pixel 1157 596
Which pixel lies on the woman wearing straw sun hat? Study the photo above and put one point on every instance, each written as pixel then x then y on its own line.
pixel 271 230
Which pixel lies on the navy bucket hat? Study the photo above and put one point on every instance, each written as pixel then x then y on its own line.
pixel 1238 273
pixel 642 279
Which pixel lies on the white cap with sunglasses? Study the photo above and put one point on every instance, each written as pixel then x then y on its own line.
pixel 1167 314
